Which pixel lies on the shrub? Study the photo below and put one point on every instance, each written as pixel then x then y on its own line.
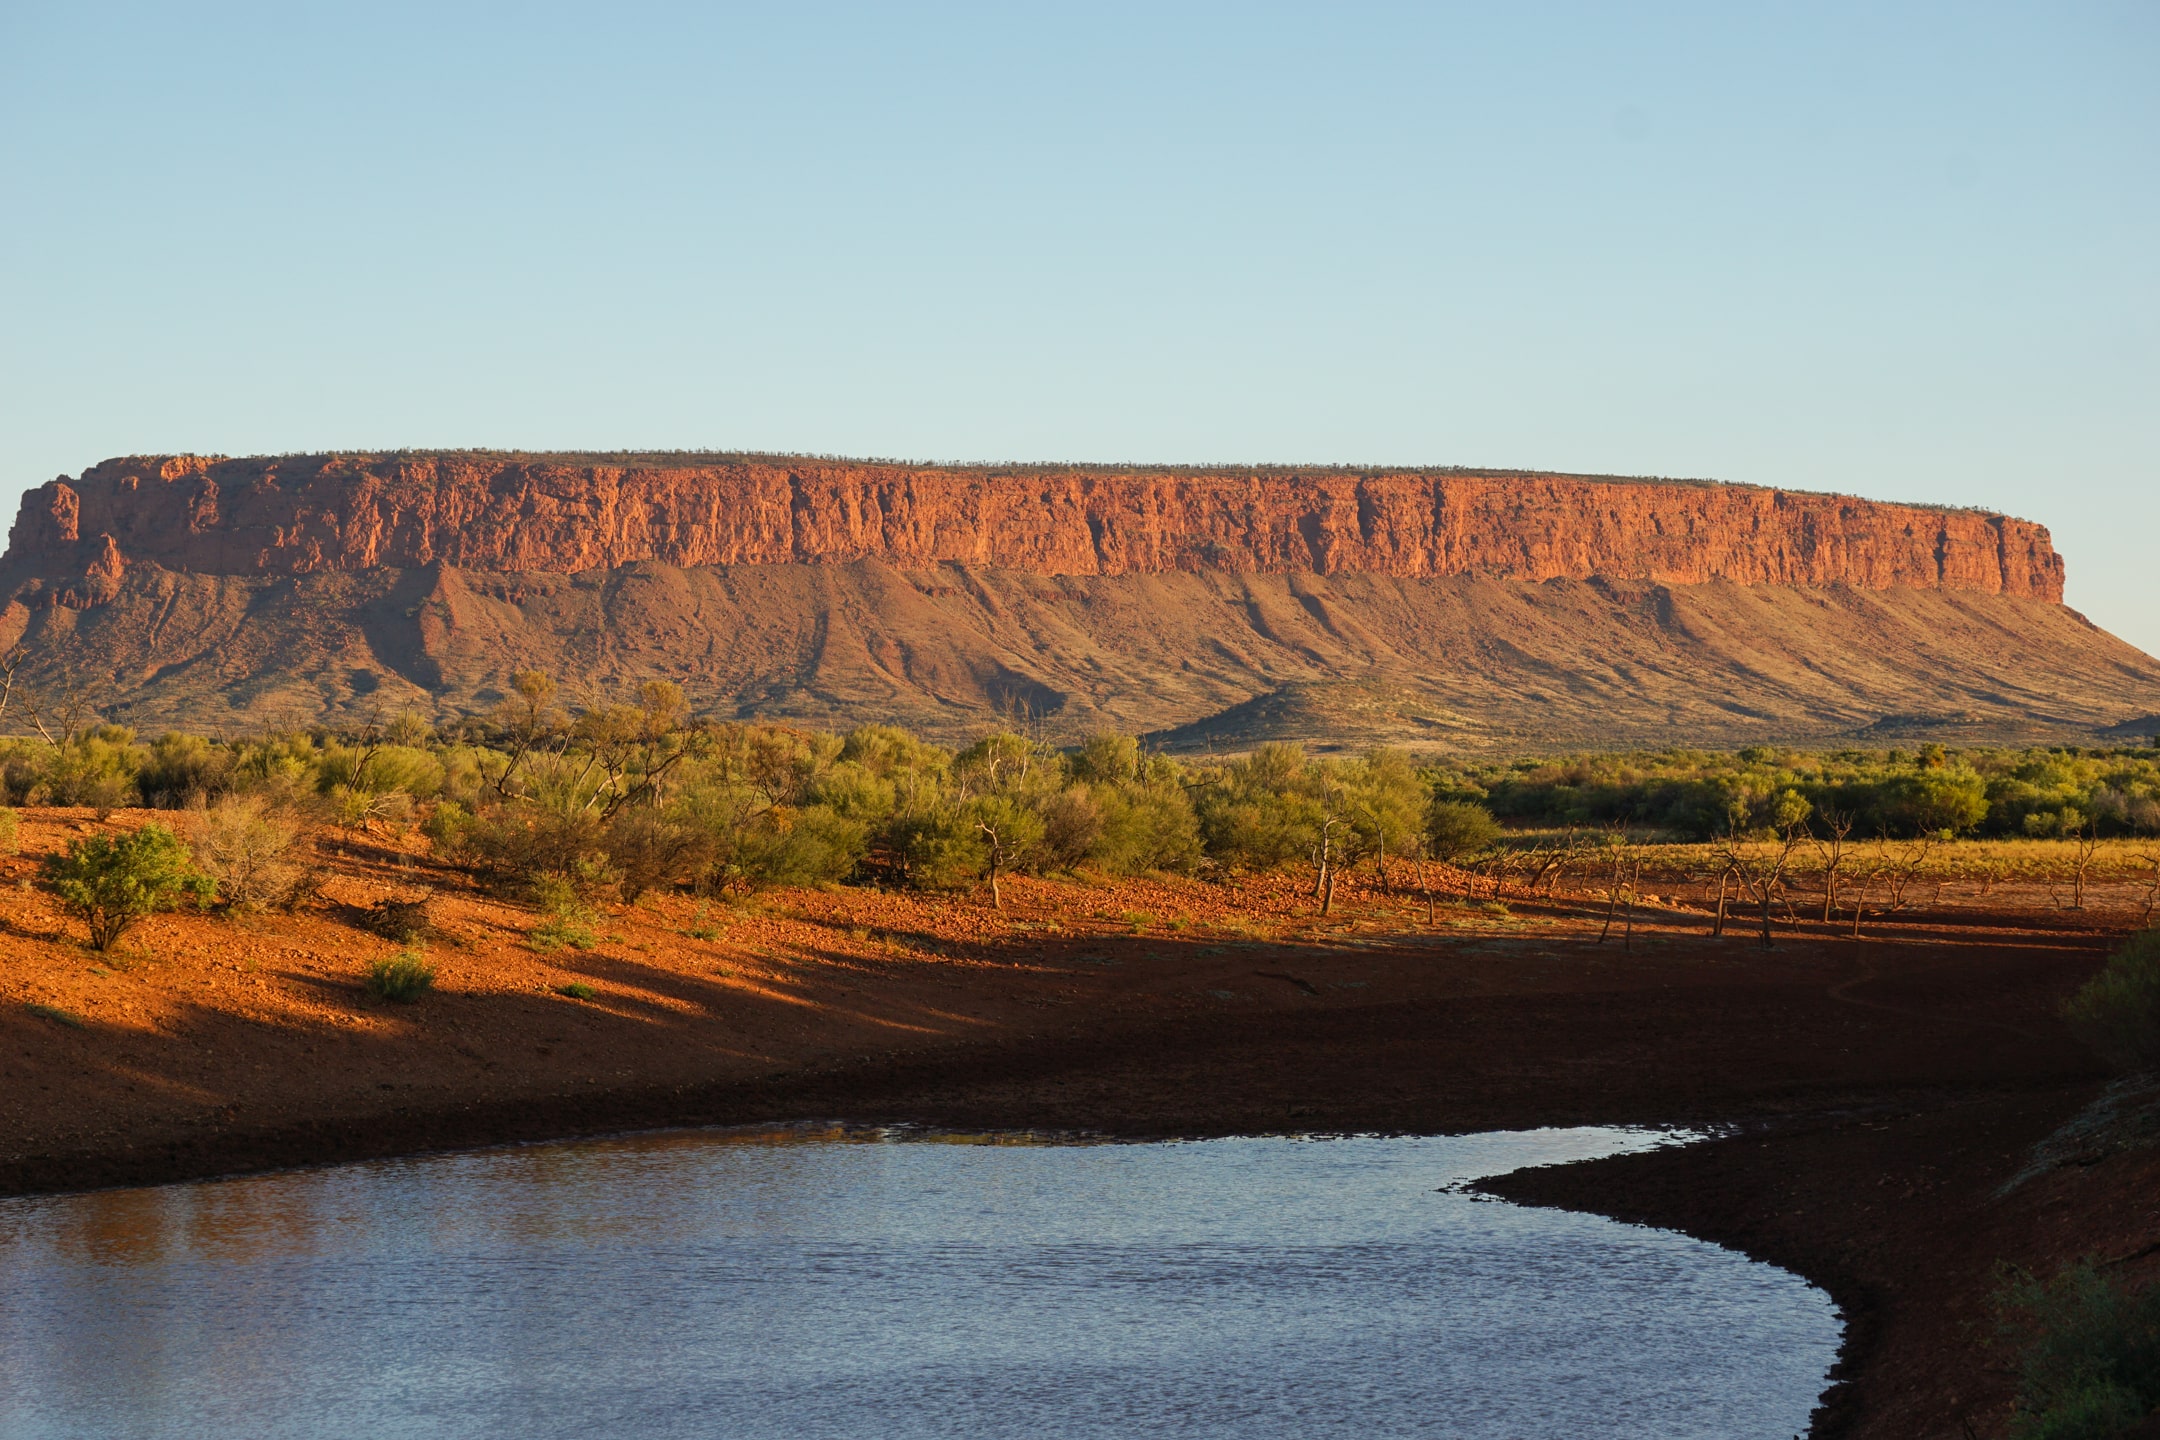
pixel 938 850
pixel 2088 1354
pixel 1260 812
pixel 446 824
pixel 113 881
pixel 181 769
pixel 576 990
pixel 245 846
pixel 2117 1012
pixel 812 846
pixel 403 977
pixel 511 844
pixel 569 917
pixel 1072 827
pixel 649 851
pixel 95 768
pixel 1457 828
pixel 10 827
pixel 562 932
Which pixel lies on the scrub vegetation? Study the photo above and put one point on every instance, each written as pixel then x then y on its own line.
pixel 565 806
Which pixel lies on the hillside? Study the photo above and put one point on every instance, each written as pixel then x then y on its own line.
pixel 1212 607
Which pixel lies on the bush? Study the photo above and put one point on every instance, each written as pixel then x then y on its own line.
pixel 1457 828
pixel 403 977
pixel 113 881
pixel 510 845
pixel 2117 1012
pixel 95 768
pixel 245 846
pixel 938 850
pixel 181 769
pixel 569 917
pixel 2089 1354
pixel 651 852
pixel 812 846
pixel 10 828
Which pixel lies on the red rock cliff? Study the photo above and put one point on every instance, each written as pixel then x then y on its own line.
pixel 484 512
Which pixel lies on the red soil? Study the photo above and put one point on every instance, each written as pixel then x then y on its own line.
pixel 1883 1091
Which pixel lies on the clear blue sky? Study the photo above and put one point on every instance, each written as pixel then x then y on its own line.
pixel 1902 251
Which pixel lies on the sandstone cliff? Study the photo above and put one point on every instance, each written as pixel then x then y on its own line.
pixel 312 514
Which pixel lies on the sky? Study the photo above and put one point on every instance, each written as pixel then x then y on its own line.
pixel 1903 251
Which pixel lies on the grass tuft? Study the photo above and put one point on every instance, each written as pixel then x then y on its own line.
pixel 54 1013
pixel 403 977
pixel 561 932
pixel 576 990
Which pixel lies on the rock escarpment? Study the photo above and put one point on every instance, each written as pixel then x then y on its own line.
pixel 1215 607
pixel 478 512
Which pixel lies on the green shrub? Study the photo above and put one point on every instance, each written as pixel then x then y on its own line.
pixel 2117 1012
pixel 562 932
pixel 1457 829
pixel 2088 1354
pixel 569 922
pixel 403 977
pixel 445 825
pixel 576 990
pixel 10 828
pixel 812 846
pixel 113 881
pixel 181 769
pixel 95 768
pixel 938 850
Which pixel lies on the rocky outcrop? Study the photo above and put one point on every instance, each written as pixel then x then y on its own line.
pixel 309 515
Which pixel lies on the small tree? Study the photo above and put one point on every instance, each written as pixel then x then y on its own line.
pixel 1458 828
pixel 1010 832
pixel 2117 1012
pixel 114 881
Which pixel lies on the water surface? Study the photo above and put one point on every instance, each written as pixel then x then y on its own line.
pixel 717 1284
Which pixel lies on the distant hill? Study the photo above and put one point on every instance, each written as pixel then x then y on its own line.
pixel 1208 607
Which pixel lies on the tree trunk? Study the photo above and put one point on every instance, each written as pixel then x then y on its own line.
pixel 1724 883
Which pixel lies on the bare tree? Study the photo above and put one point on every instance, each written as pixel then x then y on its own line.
pixel 2086 839
pixel 1761 875
pixel 2150 859
pixel 1837 828
pixel 1724 887
pixel 1619 853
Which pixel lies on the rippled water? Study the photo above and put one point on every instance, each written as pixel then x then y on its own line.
pixel 715 1284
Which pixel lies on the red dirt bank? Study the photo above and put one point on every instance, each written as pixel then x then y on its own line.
pixel 1884 1093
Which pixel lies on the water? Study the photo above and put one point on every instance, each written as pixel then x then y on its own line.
pixel 713 1284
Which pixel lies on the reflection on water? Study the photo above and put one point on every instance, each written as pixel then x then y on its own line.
pixel 783 1284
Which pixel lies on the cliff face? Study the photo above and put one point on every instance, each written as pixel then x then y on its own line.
pixel 318 514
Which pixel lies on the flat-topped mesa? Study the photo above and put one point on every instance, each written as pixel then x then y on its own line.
pixel 297 515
